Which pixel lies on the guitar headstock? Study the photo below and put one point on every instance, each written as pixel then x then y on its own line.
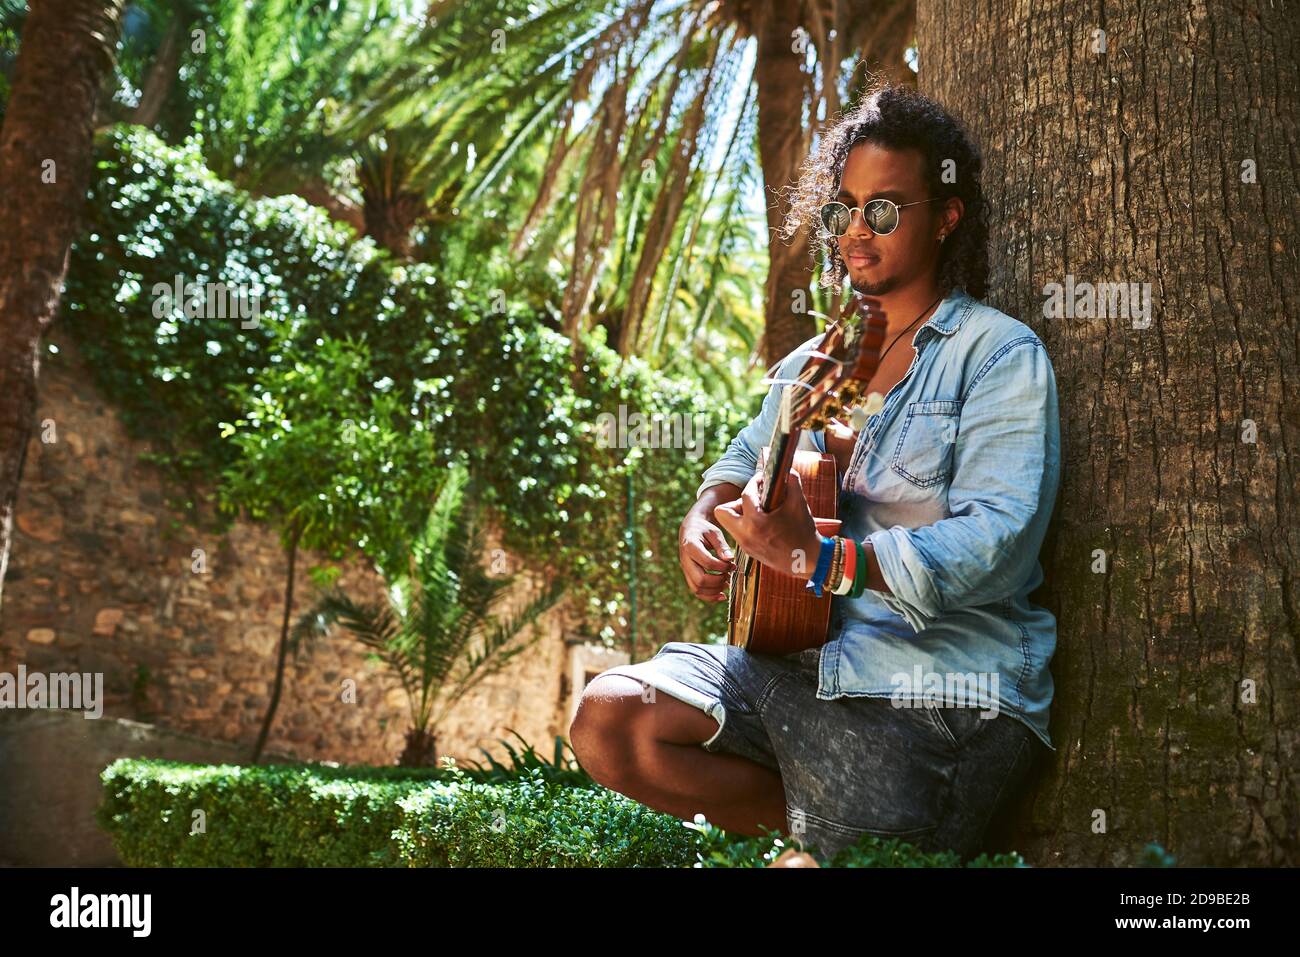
pixel 846 359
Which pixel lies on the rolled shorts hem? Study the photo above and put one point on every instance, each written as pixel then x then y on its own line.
pixel 669 685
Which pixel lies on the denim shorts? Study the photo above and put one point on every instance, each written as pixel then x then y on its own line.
pixel 931 776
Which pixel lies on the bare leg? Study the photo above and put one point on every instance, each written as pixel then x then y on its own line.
pixel 650 752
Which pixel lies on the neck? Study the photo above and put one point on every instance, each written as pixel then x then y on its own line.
pixel 903 305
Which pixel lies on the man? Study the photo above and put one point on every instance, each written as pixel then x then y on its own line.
pixel 920 716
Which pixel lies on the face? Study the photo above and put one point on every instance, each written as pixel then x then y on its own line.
pixel 878 265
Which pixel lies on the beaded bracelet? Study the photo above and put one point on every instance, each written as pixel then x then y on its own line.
pixel 848 575
pixel 837 566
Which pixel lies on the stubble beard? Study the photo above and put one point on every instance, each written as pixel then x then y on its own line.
pixel 879 288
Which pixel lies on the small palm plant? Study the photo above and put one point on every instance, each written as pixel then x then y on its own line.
pixel 438 628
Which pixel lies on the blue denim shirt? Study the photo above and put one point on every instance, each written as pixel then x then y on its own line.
pixel 953 481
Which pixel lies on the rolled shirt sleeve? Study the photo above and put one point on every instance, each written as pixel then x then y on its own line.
pixel 739 463
pixel 1006 468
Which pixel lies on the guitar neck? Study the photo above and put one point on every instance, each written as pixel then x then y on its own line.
pixel 840 348
pixel 776 470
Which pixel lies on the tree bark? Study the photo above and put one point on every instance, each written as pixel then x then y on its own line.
pixel 162 73
pixel 421 750
pixel 46 145
pixel 781 147
pixel 389 218
pixel 390 205
pixel 1132 165
pixel 887 31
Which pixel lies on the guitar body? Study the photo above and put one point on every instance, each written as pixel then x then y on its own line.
pixel 772 613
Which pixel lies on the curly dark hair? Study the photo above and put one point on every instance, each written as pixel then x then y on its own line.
pixel 896 118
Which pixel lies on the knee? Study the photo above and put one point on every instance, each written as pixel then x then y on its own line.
pixel 603 729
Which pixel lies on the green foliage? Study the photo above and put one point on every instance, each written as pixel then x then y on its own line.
pixel 719 849
pixel 270 76
pixel 322 450
pixel 11 18
pixel 264 816
pixel 685 222
pixel 440 628
pixel 524 816
pixel 156 213
pixel 429 364
pixel 536 823
pixel 559 769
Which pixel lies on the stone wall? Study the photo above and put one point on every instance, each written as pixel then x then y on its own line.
pixel 102 578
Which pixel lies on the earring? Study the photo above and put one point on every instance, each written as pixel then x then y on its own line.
pixel 942 237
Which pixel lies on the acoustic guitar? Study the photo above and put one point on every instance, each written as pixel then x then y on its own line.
pixel 769 611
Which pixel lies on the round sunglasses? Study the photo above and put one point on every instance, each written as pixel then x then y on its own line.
pixel 880 215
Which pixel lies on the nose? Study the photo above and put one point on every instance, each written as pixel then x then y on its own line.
pixel 858 229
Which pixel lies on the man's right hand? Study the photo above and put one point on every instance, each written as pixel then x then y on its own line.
pixel 706 559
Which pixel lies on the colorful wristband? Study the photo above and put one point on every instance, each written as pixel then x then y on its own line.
pixel 860 575
pixel 823 566
pixel 848 577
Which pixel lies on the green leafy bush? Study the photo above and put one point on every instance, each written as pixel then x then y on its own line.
pixel 479 369
pixel 562 768
pixel 263 816
pixel 523 816
pixel 536 823
pixel 717 848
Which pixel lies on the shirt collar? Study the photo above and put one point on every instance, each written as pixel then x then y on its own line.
pixel 947 319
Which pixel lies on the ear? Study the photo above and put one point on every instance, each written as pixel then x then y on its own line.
pixel 953 211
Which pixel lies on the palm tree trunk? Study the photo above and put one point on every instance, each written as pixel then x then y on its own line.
pixel 887 33
pixel 389 218
pixel 421 750
pixel 1168 159
pixel 390 206
pixel 294 535
pixel 162 74
pixel 781 149
pixel 45 161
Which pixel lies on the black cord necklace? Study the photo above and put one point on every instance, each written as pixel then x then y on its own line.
pixel 859 414
pixel 904 332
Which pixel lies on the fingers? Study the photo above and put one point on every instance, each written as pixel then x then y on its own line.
pixel 707 586
pixel 708 591
pixel 719 544
pixel 794 487
pixel 727 515
pixel 708 575
pixel 701 556
pixel 841 429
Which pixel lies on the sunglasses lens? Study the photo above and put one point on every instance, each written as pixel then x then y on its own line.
pixel 882 216
pixel 835 217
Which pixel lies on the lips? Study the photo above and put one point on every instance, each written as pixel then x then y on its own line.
pixel 860 258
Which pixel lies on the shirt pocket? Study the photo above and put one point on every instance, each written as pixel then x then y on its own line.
pixel 923 454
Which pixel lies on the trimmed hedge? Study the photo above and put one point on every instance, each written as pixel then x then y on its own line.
pixel 265 816
pixel 534 823
pixel 319 816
